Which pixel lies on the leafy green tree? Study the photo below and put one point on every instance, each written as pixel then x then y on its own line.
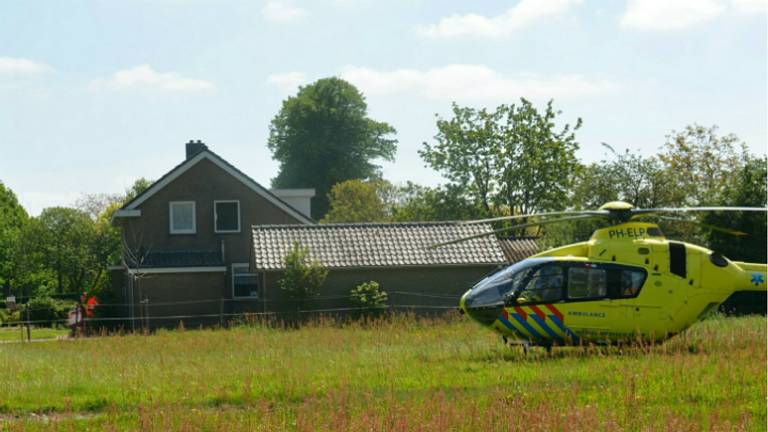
pixel 700 164
pixel 13 219
pixel 378 200
pixel 466 152
pixel 358 201
pixel 47 310
pixel 638 180
pixel 66 239
pixel 512 160
pixel 323 136
pixel 627 176
pixel 33 271
pixel 447 202
pixel 302 277
pixel 748 190
pixel 105 245
pixel 538 162
pixel 139 185
pixel 95 204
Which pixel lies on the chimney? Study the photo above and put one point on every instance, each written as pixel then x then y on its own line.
pixel 195 147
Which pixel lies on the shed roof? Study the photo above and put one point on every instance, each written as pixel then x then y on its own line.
pixel 519 249
pixel 377 244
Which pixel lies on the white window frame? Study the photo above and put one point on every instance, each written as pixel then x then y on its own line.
pixel 216 216
pixel 232 283
pixel 194 218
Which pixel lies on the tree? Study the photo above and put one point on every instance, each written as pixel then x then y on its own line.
pixel 511 160
pixel 65 239
pixel 105 247
pixel 323 136
pixel 447 202
pixel 358 201
pixel 95 204
pixel 302 277
pixel 748 190
pixel 640 181
pixel 139 185
pixel 466 152
pixel 700 164
pixel 13 219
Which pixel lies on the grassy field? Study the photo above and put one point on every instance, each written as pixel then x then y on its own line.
pixel 403 374
pixel 16 333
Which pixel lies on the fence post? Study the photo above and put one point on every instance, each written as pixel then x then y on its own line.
pixel 221 312
pixel 29 329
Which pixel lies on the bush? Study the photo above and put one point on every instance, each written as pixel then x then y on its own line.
pixel 369 295
pixel 45 308
pixel 302 277
pixel 7 315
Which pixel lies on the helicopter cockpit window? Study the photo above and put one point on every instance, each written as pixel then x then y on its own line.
pixel 585 283
pixel 501 286
pixel 544 286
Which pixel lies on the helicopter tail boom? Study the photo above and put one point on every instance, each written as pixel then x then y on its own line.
pixel 757 274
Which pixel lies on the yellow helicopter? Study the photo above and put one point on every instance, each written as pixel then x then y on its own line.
pixel 627 282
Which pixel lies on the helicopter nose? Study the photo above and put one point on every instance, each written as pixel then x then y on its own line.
pixel 485 314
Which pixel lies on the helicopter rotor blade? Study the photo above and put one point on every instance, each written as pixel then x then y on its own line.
pixel 732 232
pixel 514 227
pixel 696 209
pixel 595 213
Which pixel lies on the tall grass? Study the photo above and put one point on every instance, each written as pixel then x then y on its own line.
pixel 392 374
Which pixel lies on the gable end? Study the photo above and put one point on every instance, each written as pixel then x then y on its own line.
pixel 130 208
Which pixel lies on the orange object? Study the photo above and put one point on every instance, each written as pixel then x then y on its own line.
pixel 90 306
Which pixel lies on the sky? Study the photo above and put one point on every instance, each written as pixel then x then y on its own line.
pixel 95 94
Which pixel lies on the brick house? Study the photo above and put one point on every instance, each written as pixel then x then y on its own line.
pixel 205 243
pixel 187 239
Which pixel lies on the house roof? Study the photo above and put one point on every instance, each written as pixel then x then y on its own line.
pixel 180 258
pixel 131 207
pixel 377 245
pixel 519 249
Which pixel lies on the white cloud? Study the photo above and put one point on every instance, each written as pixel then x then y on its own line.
pixel 523 14
pixel 288 81
pixel 282 11
pixel 461 82
pixel 22 66
pixel 750 6
pixel 144 76
pixel 664 15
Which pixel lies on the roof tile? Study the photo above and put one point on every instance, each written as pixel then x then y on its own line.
pixel 377 245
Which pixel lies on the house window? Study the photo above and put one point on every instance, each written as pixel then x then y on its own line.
pixel 226 216
pixel 182 217
pixel 244 283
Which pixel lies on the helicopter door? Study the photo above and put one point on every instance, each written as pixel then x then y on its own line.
pixel 693 263
pixel 648 293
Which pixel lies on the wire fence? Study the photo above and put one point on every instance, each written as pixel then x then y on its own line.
pixel 224 309
pixel 230 315
pixel 444 296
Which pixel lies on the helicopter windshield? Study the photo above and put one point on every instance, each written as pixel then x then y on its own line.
pixel 500 287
